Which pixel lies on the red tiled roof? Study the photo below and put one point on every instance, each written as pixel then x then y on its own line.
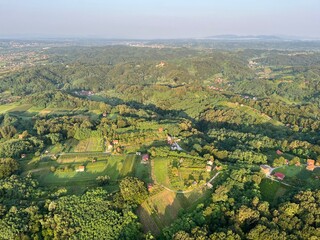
pixel 279 175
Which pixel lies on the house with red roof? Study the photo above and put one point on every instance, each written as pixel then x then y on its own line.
pixel 145 158
pixel 279 175
pixel 279 152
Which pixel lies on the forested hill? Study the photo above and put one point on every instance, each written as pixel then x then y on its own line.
pixel 289 74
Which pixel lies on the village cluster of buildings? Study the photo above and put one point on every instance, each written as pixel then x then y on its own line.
pixel 84 93
pixel 267 170
pixel 215 88
pixel 20 59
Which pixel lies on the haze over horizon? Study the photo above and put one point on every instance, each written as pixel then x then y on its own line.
pixel 142 19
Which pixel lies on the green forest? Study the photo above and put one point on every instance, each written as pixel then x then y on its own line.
pixel 191 140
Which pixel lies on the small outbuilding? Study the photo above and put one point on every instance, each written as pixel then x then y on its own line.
pixel 310 164
pixel 279 152
pixel 80 169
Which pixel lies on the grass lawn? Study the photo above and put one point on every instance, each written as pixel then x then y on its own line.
pixel 6 107
pixel 271 191
pixel 128 165
pixel 142 171
pixel 300 176
pixel 291 171
pixel 161 171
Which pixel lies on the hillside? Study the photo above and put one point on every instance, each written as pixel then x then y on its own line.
pixel 174 142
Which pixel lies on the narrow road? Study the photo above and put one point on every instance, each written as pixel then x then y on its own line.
pixel 275 180
pixel 213 177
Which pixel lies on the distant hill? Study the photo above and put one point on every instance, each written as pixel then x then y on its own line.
pixel 249 37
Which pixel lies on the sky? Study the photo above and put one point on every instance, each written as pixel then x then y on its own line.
pixel 155 19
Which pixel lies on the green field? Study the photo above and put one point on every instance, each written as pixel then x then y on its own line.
pixel 161 171
pixel 128 165
pixel 65 174
pixel 142 171
pixel 7 107
pixel 21 108
pixel 300 176
pixel 271 191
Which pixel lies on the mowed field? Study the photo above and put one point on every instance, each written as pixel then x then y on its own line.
pixel 160 171
pixel 271 191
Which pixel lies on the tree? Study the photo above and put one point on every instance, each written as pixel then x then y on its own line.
pixel 103 180
pixel 7 167
pixel 133 190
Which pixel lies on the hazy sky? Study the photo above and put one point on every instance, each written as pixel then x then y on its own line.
pixel 158 19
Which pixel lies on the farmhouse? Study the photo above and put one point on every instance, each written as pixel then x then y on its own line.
pixel 80 169
pixel 115 142
pixel 23 155
pixel 145 158
pixel 310 164
pixel 208 168
pixel 279 175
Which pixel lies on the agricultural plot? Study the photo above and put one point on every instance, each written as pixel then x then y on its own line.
pixel 180 174
pixel 92 144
